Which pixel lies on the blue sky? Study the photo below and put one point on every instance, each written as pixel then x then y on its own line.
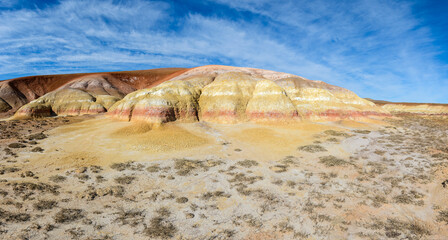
pixel 382 49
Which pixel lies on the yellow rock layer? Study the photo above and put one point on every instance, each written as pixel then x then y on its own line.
pixel 318 100
pixel 225 99
pixel 224 96
pixel 169 101
pixel 269 101
pixel 432 109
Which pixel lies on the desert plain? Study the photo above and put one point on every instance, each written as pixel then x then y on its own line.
pixel 378 175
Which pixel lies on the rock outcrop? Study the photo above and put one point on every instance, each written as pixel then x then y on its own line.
pixel 65 101
pixel 170 101
pixel 219 94
pixel 229 94
pixel 20 91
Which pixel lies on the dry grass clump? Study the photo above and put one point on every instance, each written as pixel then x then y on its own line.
pixel 160 226
pixel 37 149
pixel 242 178
pixel 379 152
pixel 37 136
pixel 153 168
pixel 362 131
pixel 45 205
pixel 16 145
pixel 184 166
pixel 57 178
pixel 336 133
pixel 8 170
pixel 331 161
pixel 130 217
pixel 409 198
pixel 312 148
pixel 83 177
pixel 279 168
pixel 182 200
pixel 411 229
pixel 248 163
pixel 75 232
pixel 3 193
pixel 68 215
pixel 127 166
pixel 25 188
pixel 443 216
pixel 13 217
pixel 378 201
pixel 208 195
pixel 124 179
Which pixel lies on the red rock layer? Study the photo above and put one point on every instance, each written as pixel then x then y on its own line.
pixel 19 91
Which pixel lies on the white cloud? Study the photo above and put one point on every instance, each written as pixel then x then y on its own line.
pixel 376 48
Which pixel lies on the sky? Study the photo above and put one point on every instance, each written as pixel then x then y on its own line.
pixel 381 49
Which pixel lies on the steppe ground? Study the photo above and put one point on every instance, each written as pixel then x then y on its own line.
pixel 95 178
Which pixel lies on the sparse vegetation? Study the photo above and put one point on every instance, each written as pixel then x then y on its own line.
pixel 332 161
pixel 336 133
pixel 160 226
pixel 10 217
pixel 57 178
pixel 68 215
pixel 124 179
pixel 248 163
pixel 312 148
pixel 131 217
pixel 45 205
pixel 182 200
pixel 443 216
pixel 153 168
pixel 17 145
pixel 362 131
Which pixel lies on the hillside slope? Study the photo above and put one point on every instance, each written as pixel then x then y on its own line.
pixel 226 94
pixel 413 108
pixel 17 92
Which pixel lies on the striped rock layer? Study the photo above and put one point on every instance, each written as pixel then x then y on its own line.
pixel 414 108
pixel 20 91
pixel 66 101
pixel 229 94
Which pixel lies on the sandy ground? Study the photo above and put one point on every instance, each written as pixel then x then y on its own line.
pixel 96 178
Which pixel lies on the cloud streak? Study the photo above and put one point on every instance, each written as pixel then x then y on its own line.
pixel 376 48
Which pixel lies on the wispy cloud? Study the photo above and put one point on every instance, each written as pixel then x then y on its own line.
pixel 377 48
